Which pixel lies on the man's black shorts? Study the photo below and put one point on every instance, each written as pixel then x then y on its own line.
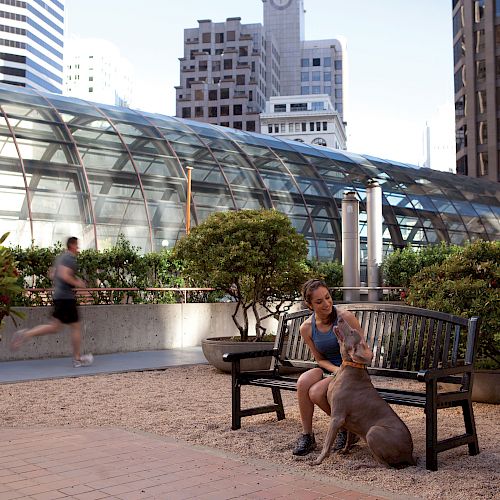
pixel 65 311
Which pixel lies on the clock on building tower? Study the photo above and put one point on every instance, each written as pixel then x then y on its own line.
pixel 280 4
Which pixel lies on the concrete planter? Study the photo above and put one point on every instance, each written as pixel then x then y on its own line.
pixel 486 386
pixel 214 348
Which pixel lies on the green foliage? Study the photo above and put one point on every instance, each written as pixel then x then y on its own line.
pixel 9 287
pixel 330 272
pixel 465 284
pixel 255 256
pixel 120 266
pixel 399 267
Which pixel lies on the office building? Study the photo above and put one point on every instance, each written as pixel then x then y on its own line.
pixel 304 118
pixel 95 70
pixel 476 45
pixel 32 43
pixel 70 167
pixel 229 69
pixel 222 75
pixel 306 66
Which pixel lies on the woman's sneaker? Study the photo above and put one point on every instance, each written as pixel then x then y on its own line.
pixel 340 440
pixel 305 444
pixel 85 360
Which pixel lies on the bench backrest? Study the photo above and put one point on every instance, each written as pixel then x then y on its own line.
pixel 403 338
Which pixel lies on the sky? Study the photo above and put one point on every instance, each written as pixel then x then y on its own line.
pixel 399 59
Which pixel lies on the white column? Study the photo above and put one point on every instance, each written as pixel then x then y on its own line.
pixel 350 245
pixel 375 242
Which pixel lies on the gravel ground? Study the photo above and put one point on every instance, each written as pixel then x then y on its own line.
pixel 194 404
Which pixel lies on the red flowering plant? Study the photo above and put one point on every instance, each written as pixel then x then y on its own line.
pixel 9 286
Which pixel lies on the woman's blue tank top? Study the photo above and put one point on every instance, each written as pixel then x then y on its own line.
pixel 327 343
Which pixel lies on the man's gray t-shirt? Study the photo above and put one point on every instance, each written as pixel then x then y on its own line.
pixel 63 290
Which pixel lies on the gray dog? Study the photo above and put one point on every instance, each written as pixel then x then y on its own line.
pixel 357 406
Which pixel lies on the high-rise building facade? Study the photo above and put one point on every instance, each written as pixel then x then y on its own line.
pixel 476 48
pixel 307 66
pixel 229 69
pixel 95 70
pixel 223 75
pixel 32 43
pixel 310 119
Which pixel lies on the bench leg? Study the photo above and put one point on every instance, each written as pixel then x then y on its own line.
pixel 470 426
pixel 235 396
pixel 431 427
pixel 280 411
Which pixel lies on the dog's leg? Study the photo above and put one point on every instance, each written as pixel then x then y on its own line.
pixel 333 428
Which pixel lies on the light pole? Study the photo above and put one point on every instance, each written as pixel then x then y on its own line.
pixel 188 200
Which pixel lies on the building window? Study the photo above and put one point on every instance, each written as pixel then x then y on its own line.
pixel 316 61
pixel 290 127
pixel 338 93
pixel 304 76
pixel 206 37
pixel 280 108
pixel 319 141
pixel 481 70
pixel 203 65
pixel 270 129
pixel 304 90
pixel 250 126
pixel 482 133
pixel 299 106
pixel 224 93
pixel 304 126
pixel 216 79
pixel 237 109
pixel 327 62
pixel 199 95
pixel 238 125
pixel 240 79
pixel 228 64
pixel 282 128
pixel 311 126
pixel 297 127
pixel 481 101
pixel 215 65
pixel 231 36
pixel 316 89
pixel 483 163
pixel 198 112
pixel 186 112
pixel 189 81
pixel 91 89
pixel 327 89
pixel 212 111
pixel 212 95
pixel 338 64
pixel 304 63
pixel 316 76
pixel 219 38
pixel 327 76
pixel 224 124
pixel 243 51
pixel 276 128
pixel 318 106
pixel 325 126
pixel 478 10
pixel 224 110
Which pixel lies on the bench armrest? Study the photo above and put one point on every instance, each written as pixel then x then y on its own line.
pixel 437 373
pixel 233 356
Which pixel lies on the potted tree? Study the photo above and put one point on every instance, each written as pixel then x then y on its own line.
pixel 257 258
pixel 466 283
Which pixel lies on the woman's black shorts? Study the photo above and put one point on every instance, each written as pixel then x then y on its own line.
pixel 65 311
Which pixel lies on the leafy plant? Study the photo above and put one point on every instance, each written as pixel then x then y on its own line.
pixel 9 287
pixel 330 272
pixel 465 284
pixel 255 256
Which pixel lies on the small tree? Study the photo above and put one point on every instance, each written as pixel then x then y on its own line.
pixel 256 256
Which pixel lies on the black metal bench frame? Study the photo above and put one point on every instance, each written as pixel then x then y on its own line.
pixel 408 343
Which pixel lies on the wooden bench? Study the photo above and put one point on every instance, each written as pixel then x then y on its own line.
pixel 407 342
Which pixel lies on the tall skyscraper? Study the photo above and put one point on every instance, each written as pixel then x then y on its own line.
pixel 306 66
pixel 476 45
pixel 95 70
pixel 32 43
pixel 229 69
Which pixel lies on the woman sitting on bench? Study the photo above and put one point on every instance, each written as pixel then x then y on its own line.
pixel 312 385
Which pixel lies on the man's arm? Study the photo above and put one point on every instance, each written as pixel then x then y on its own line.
pixel 68 276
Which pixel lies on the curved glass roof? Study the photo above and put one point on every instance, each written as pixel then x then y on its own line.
pixel 71 167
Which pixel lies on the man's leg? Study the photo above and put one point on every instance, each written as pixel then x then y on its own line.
pixel 21 336
pixel 76 339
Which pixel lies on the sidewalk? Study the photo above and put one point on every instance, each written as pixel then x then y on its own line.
pixel 95 463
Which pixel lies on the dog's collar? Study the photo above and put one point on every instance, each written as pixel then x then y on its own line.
pixel 352 363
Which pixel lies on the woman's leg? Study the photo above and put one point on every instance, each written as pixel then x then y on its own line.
pixel 306 405
pixel 317 394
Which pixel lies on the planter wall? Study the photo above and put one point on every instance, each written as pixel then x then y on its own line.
pixel 127 328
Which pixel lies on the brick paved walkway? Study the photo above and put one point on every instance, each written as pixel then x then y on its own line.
pixel 96 463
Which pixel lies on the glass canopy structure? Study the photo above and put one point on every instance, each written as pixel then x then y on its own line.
pixel 71 167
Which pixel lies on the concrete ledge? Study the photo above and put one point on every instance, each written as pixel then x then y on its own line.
pixel 127 328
